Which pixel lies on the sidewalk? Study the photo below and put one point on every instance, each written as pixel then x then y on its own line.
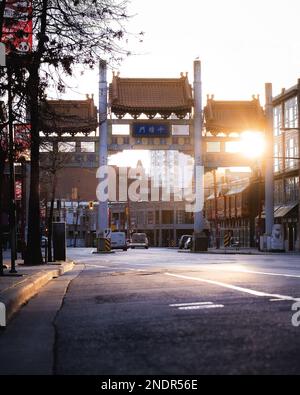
pixel 16 290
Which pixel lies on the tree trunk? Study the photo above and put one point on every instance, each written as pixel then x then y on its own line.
pixel 2 165
pixel 33 251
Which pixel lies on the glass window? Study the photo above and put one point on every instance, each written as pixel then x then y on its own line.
pixel 46 147
pixel 291 113
pixel 88 146
pixel 278 157
pixel 232 146
pixel 278 192
pixel 67 146
pixel 180 130
pixel 277 121
pixel 120 130
pixel 291 151
pixel 213 146
pixel 292 189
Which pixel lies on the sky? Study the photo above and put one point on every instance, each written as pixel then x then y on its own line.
pixel 242 45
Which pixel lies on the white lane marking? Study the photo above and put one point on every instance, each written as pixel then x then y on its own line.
pixel 190 304
pixel 240 289
pixel 214 306
pixel 263 273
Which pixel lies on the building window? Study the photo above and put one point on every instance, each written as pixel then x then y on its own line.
pixel 277 121
pixel 150 217
pixel 291 113
pixel 213 146
pixel 167 217
pixel 278 158
pixel 291 151
pixel 67 146
pixel 278 192
pixel 88 146
pixel 141 218
pixel 46 147
pixel 292 189
pixel 180 130
pixel 120 130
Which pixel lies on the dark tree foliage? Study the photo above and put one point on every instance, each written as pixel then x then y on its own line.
pixel 66 33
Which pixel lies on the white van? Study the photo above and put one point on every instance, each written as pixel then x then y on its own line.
pixel 118 241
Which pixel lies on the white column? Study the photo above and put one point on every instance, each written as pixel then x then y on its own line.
pixel 198 141
pixel 103 139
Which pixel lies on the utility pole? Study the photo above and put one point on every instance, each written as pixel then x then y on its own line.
pixel 216 209
pixel 269 176
pixel 298 225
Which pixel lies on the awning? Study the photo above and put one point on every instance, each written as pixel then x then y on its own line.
pixel 283 211
pixel 236 190
pixel 280 211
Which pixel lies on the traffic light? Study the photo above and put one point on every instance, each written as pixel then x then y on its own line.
pixel 91 205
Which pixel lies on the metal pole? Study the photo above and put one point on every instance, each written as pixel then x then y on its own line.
pixel 12 207
pixel 269 175
pixel 103 131
pixel 297 246
pixel 216 209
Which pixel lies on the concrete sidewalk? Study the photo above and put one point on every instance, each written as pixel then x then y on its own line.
pixel 16 290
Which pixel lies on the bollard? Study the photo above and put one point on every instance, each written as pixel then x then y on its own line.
pixel 227 240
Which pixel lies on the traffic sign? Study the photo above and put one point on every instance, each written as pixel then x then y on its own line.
pixel 107 233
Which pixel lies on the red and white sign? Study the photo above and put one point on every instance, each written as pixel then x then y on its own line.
pixel 22 136
pixel 18 190
pixel 17 26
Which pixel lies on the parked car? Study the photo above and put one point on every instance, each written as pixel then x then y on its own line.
pixel 183 240
pixel 139 240
pixel 118 241
pixel 235 243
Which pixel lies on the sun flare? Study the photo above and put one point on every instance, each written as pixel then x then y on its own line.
pixel 252 144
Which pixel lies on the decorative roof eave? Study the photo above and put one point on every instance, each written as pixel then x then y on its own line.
pixel 234 116
pixel 181 113
pixel 151 96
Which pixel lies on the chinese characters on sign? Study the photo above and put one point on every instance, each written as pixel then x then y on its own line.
pixel 150 130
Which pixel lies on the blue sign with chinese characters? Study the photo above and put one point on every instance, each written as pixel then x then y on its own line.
pixel 151 130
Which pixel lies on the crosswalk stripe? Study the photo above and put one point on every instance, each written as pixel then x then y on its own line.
pixel 190 304
pixel 214 306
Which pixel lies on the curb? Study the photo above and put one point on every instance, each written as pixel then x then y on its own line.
pixel 15 297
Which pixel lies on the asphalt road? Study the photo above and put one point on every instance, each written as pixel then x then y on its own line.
pixel 160 312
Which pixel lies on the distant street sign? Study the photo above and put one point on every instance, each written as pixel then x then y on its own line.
pixel 151 130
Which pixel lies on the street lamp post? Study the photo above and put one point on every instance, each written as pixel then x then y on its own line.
pixel 269 187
